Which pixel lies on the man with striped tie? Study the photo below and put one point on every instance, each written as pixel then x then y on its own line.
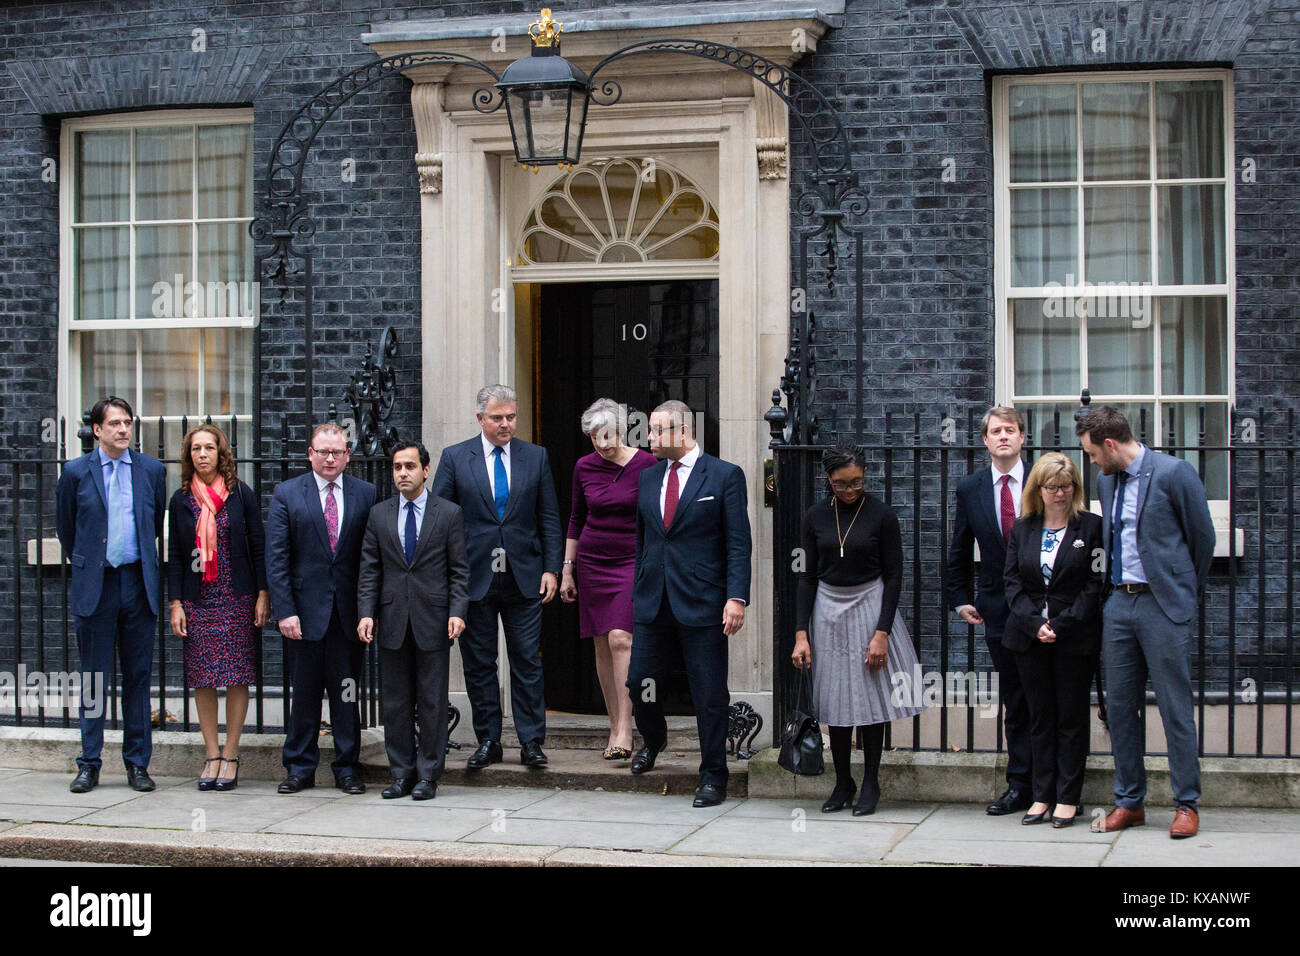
pixel 512 534
pixel 313 552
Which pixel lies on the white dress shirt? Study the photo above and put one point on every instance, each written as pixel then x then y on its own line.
pixel 492 463
pixel 1016 485
pixel 321 485
pixel 684 466
pixel 420 502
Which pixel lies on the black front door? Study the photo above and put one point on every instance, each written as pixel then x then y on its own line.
pixel 639 343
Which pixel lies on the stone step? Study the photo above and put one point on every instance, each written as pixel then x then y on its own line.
pixel 580 732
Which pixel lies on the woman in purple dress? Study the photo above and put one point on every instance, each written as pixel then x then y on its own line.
pixel 600 558
pixel 216 579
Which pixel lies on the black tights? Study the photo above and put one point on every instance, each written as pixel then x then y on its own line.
pixel 872 741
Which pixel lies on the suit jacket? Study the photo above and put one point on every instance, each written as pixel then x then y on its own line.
pixel 703 560
pixel 81 522
pixel 976 520
pixel 306 580
pixel 1073 596
pixel 1175 535
pixel 530 532
pixel 434 587
pixel 247 544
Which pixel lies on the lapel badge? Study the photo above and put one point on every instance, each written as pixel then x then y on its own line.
pixel 1078 543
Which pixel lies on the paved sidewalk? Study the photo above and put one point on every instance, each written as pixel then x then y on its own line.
pixel 176 824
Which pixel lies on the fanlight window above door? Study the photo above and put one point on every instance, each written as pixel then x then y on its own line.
pixel 620 211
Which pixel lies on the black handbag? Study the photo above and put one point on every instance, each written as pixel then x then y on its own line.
pixel 801 738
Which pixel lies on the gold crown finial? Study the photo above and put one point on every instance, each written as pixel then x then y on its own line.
pixel 545 32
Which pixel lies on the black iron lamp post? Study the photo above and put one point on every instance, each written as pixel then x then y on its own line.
pixel 546 101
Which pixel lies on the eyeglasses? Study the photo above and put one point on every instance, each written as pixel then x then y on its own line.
pixel 1055 489
pixel 849 485
pixel 330 453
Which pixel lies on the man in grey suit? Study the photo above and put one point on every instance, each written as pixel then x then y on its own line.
pixel 413 566
pixel 1156 523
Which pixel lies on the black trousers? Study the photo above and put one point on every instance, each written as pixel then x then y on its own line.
pixel 521 617
pixel 1056 688
pixel 330 666
pixel 414 687
pixel 704 651
pixel 1015 715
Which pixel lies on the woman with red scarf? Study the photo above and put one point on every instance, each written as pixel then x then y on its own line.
pixel 217 582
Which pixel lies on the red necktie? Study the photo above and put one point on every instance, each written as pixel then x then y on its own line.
pixel 670 496
pixel 1008 509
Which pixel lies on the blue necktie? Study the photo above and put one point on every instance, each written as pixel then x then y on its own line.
pixel 409 544
pixel 1117 532
pixel 116 551
pixel 501 483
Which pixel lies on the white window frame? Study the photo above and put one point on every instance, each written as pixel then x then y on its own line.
pixel 69 356
pixel 1003 339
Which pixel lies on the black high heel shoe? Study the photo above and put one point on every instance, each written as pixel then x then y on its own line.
pixel 222 783
pixel 1060 823
pixel 839 797
pixel 1029 819
pixel 867 800
pixel 205 782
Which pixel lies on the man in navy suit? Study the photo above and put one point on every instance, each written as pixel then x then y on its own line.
pixel 988 503
pixel 691 587
pixel 1160 540
pixel 313 554
pixel 512 535
pixel 111 506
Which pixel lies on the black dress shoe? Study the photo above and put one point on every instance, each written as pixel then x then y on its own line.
pixel 138 778
pixel 401 787
pixel 489 752
pixel 1029 819
pixel 839 797
pixel 86 780
pixel 293 783
pixel 710 795
pixel 1010 801
pixel 644 759
pixel 425 790
pixel 867 799
pixel 351 784
pixel 530 755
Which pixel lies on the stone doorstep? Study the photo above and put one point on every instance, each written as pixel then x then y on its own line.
pixel 931 776
pixel 142 847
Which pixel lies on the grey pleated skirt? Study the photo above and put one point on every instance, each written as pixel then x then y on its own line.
pixel 846 692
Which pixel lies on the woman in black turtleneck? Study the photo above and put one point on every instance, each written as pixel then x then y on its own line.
pixel 848 598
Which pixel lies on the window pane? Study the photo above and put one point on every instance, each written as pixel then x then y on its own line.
pixel 1186 417
pixel 1044 231
pixel 169 372
pixel 1194 346
pixel 1120 347
pixel 1191 220
pixel 1117 234
pixel 1041 426
pixel 1116 131
pixel 103 176
pixel 1189 129
pixel 103 258
pixel 107 367
pixel 1042 132
pixel 227 373
pixel 1046 347
pixel 164 174
pixel 226 270
pixel 225 174
pixel 162 269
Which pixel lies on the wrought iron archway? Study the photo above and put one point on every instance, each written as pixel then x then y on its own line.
pixel 830 198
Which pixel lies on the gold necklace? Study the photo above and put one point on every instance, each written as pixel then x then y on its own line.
pixel 836 509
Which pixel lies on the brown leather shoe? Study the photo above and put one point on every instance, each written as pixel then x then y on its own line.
pixel 1120 819
pixel 1185 824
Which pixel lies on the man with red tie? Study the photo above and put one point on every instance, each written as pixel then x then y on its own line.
pixel 691 587
pixel 988 503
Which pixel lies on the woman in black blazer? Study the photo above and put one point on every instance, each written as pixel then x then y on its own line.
pixel 216 579
pixel 1053 584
